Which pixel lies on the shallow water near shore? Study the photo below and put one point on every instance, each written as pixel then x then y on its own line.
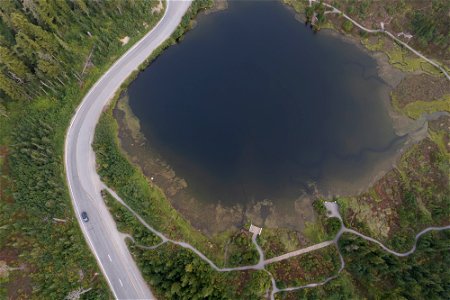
pixel 253 107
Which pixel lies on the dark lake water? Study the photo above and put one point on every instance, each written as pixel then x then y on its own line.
pixel 253 105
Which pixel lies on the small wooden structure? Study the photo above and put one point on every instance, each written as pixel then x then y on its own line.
pixel 255 229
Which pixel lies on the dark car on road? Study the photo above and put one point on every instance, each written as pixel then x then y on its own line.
pixel 84 216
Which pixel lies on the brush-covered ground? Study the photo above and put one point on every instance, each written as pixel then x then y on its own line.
pixel 42 252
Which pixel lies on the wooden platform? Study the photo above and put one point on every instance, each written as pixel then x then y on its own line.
pixel 255 229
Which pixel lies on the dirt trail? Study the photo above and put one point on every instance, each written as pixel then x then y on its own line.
pixel 332 212
pixel 382 30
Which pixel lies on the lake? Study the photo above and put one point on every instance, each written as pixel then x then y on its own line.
pixel 253 105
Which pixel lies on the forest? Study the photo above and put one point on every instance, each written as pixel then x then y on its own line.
pixel 51 52
pixel 423 275
pixel 370 272
pixel 432 28
pixel 47 45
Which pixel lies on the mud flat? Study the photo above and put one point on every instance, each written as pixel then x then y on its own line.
pixel 256 135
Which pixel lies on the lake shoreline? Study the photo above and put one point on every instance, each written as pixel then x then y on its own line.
pixel 226 217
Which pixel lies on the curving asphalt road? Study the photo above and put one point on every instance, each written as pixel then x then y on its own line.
pixel 106 243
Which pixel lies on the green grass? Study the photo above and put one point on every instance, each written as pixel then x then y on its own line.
pixel 418 198
pixel 306 268
pixel 278 241
pixel 416 109
pixel 133 187
pixel 132 122
pixel 438 137
pixel 341 288
pixel 298 6
pixel 127 223
pixel 131 184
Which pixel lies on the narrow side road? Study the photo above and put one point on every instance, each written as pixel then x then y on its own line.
pixel 298 252
pixel 105 242
pixel 382 30
pixel 333 212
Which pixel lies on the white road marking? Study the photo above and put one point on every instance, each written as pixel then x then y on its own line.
pixel 120 281
pixel 110 259
pixel 77 167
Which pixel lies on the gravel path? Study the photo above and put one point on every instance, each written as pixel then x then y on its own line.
pixel 84 184
pixel 382 30
pixel 332 212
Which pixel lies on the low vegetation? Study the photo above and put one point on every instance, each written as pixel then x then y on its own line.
pixel 406 200
pixel 240 250
pixel 53 51
pixel 412 200
pixel 127 223
pixel 421 87
pixel 379 275
pixel 132 186
pixel 306 268
pixel 175 272
pixel 341 288
pixel 347 26
pixel 278 241
pixel 426 21
pixel 416 109
pixel 372 273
